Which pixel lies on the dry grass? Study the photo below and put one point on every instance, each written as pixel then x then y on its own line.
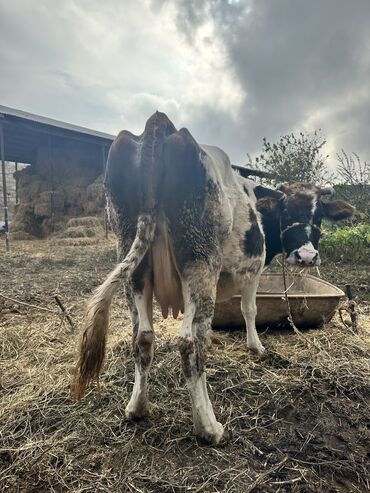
pixel 298 417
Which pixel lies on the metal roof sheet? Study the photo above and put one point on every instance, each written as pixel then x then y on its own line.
pixel 24 115
pixel 24 132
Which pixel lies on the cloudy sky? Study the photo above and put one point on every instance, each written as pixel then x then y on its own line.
pixel 231 71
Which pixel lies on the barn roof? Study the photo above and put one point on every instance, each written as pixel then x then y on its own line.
pixel 24 132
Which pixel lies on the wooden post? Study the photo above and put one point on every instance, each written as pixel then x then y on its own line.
pixel 5 195
pixel 105 208
pixel 351 307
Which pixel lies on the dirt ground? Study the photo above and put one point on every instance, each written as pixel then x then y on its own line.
pixel 298 417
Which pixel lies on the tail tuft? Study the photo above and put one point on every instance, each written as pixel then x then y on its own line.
pixel 92 348
pixel 92 351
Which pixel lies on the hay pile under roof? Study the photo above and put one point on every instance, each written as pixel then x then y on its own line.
pixel 49 199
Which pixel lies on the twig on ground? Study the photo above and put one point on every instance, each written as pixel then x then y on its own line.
pixel 64 312
pixel 42 308
pixel 27 304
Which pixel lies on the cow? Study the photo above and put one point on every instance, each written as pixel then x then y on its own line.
pixel 189 233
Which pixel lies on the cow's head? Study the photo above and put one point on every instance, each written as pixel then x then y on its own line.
pixel 292 216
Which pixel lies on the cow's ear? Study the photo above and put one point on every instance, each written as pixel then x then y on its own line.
pixel 337 210
pixel 269 206
pixel 262 192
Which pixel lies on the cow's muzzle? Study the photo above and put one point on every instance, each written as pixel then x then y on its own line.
pixel 305 256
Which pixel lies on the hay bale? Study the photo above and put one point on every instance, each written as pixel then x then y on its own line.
pixel 22 209
pixel 74 196
pixel 81 180
pixel 49 203
pixel 25 222
pixel 73 211
pixel 56 197
pixel 92 208
pixel 30 186
pixel 87 221
pixel 21 235
pixel 82 227
pixel 42 209
pixel 75 241
pixel 53 224
pixel 95 191
pixel 95 197
pixel 79 232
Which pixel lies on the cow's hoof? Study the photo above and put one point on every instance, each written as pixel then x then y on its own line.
pixel 134 413
pixel 214 436
pixel 259 349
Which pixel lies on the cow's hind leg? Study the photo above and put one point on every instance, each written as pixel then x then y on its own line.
pixel 140 304
pixel 249 310
pixel 199 291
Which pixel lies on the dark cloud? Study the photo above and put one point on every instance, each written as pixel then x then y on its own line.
pixel 302 65
pixel 231 71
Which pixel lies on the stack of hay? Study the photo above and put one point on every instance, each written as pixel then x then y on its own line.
pixel 43 211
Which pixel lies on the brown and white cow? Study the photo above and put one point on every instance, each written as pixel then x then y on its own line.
pixel 188 233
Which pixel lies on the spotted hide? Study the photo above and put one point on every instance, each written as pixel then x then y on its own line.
pixel 189 235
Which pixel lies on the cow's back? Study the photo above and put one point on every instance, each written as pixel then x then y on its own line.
pixel 133 170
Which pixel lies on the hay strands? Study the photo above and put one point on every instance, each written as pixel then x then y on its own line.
pixel 262 478
pixel 64 313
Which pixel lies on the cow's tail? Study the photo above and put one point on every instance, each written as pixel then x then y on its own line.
pixel 92 349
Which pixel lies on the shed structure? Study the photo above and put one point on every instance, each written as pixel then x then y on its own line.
pixel 64 176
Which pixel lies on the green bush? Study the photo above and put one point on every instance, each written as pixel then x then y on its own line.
pixel 347 244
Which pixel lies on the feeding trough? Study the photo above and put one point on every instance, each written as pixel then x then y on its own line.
pixel 312 302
